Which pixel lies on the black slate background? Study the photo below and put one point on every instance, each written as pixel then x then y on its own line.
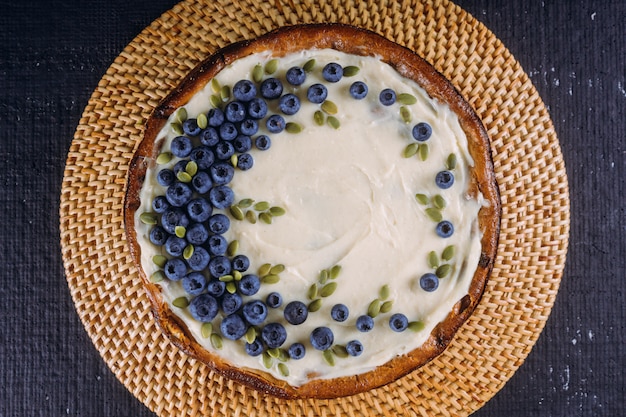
pixel 52 55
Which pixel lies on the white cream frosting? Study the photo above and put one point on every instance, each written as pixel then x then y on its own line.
pixel 349 196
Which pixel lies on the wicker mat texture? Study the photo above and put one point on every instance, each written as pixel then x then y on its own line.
pixel 107 290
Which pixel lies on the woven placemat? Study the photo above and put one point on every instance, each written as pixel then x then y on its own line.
pixel 107 290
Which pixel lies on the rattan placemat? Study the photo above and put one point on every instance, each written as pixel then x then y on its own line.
pixel 107 290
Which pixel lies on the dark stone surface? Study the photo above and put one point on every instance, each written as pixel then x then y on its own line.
pixel 52 55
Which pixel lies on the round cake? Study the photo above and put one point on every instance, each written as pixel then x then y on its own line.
pixel 313 212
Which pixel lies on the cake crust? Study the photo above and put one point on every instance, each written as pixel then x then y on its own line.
pixel 355 41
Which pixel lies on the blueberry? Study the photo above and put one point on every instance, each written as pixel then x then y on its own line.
pixel 175 269
pixel 322 338
pixel 398 322
pixel 354 348
pixel 222 173
pixel 275 123
pixel 221 197
pixel 215 117
pixel 160 204
pixel 199 210
pixel 158 236
pixel 216 288
pixel 209 137
pixel 257 108
pixel 387 97
pixel 241 263
pixel 202 156
pixel 242 143
pixel 429 282
pixel 444 179
pixel 224 150
pixel 249 284
pixel 166 177
pixel 339 312
pixel 181 146
pixel 235 111
pixel 201 182
pixel 289 104
pixel 173 217
pixel 178 194
pixel 274 335
pixel 233 327
pixel 421 132
pixel 231 303
pixel 197 234
pixel 203 308
pixel 244 90
pixel 175 245
pixel 274 300
pixel 263 142
pixel 245 161
pixel 295 76
pixel 444 229
pixel 180 166
pixel 317 93
pixel 358 90
pixel 296 312
pixel 255 348
pixel 249 127
pixel 364 323
pixel 191 128
pixel 271 88
pixel 199 259
pixel 219 223
pixel 296 351
pixel 228 131
pixel 217 245
pixel 255 312
pixel 219 266
pixel 194 283
pixel 332 72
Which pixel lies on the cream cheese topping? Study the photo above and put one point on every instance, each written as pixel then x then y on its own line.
pixel 349 196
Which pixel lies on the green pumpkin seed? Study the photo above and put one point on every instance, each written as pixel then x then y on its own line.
pixel 443 271
pixel 283 356
pixel 386 307
pixel 350 71
pixel 157 276
pixel 183 176
pixel 225 93
pixel 180 231
pixel 245 203
pixel 164 158
pixel 274 352
pixel 180 302
pixel 233 160
pixel 233 248
pixel 323 276
pixel 267 360
pixel 329 107
pixel 410 150
pixel 270 279
pixel 265 218
pixel 277 211
pixel 384 292
pixel 312 292
pixel 340 351
pixel 250 335
pixel 333 122
pixel 216 101
pixel 271 66
pixel 451 161
pixel 215 86
pixel 236 212
pixel 293 127
pixel 191 168
pixel 231 287
pixel 416 326
pixel 206 329
pixel 422 198
pixel 433 259
pixel 283 369
pixel 257 73
pixel 448 253
pixel 251 216
pixel 264 269
pixel 188 252
pixel 181 114
pixel 423 151
pixel 159 260
pixel 318 117
pixel 226 278
pixel 277 269
pixel 406 98
pixel 216 341
pixel 202 121
pixel 261 206
pixel 237 275
pixel 309 65
pixel 177 128
pixel 335 271
pixel 329 357
pixel 374 308
pixel 439 202
pixel 405 114
pixel 434 214
pixel 148 218
pixel 328 289
pixel 315 305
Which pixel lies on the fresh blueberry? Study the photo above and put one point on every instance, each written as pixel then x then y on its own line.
pixel 175 269
pixel 203 308
pixel 317 93
pixel 173 217
pixel 387 97
pixel 296 312
pixel 209 137
pixel 263 142
pixel 271 88
pixel 158 236
pixel 219 266
pixel 332 72
pixel 244 90
pixel 160 204
pixel 216 288
pixel 295 76
pixel 194 283
pixel 364 323
pixel 274 335
pixel 166 177
pixel 197 234
pixel 358 90
pixel 217 245
pixel 398 322
pixel 231 303
pixel 179 166
pixel 322 338
pixel 354 348
pixel 444 179
pixel 245 161
pixel 224 150
pixel 255 312
pixel 274 300
pixel 275 123
pixel 190 127
pixel 249 127
pixel 218 223
pixel 178 194
pixel 199 259
pixel 249 284
pixel 199 210
pixel 289 104
pixel 235 111
pixel 444 229
pixel 202 156
pixel 257 108
pixel 241 263
pixel 215 117
pixel 429 282
pixel 201 182
pixel 255 348
pixel 242 143
pixel 339 312
pixel 228 131
pixel 221 197
pixel 181 146
pixel 296 351
pixel 175 245
pixel 222 173
pixel 421 132
pixel 233 327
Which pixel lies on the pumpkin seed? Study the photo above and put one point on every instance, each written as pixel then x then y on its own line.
pixel 329 357
pixel 183 176
pixel 270 279
pixel 265 217
pixel 350 71
pixel 177 128
pixel 225 93
pixel 164 158
pixel 443 270
pixel 257 73
pixel 233 160
pixel 180 302
pixel 277 269
pixel 293 127
pixel 180 231
pixel 216 341
pixel 312 292
pixel 267 360
pixel 329 107
pixel 271 66
pixel 423 151
pixel 333 122
pixel 181 114
pixel 202 121
pixel 309 65
pixel 411 150
pixel 315 305
pixel 215 86
pixel 283 369
pixel 323 276
pixel 374 308
pixel 405 114
pixel 433 259
pixel 273 352
pixel 237 275
pixel 335 271
pixel 206 329
pixel 148 218
pixel 434 214
pixel 231 287
pixel 191 168
pixel 318 117
pixel 448 253
pixel 157 276
pixel 277 211
pixel 340 351
pixel 226 278
pixel 328 289
pixel 386 307
pixel 406 98
pixel 283 356
pixel 422 198
pixel 261 206
pixel 451 161
pixel 245 203
pixel 159 260
pixel 439 202
pixel 233 248
pixel 188 252
pixel 416 326
pixel 250 335
pixel 236 212
pixel 251 216
pixel 264 269
pixel 384 292
pixel 216 101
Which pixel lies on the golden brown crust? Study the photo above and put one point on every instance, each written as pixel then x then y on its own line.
pixel 353 41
